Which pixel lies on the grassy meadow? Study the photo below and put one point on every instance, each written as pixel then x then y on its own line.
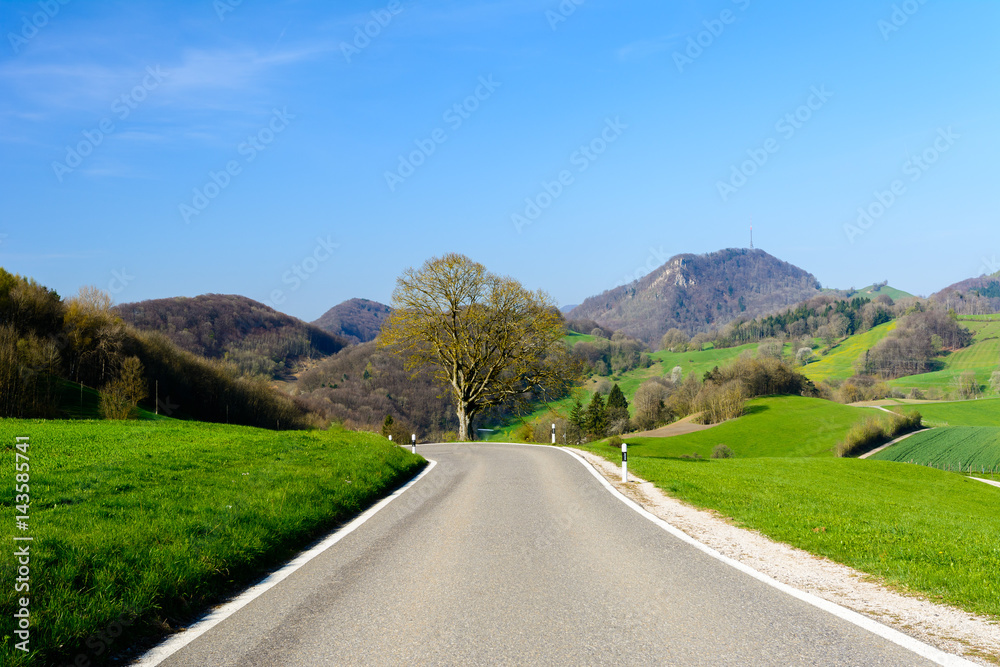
pixel 917 529
pixel 982 412
pixel 573 337
pixel 702 361
pixel 784 426
pixel 156 520
pixel 888 290
pixel 839 361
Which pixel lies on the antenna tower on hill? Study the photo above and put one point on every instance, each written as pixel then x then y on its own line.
pixel 751 233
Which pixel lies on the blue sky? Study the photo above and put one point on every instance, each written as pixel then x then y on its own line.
pixel 277 151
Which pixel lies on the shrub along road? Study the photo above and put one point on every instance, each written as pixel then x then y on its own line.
pixel 515 554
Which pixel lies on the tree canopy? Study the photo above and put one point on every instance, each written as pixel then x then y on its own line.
pixel 491 341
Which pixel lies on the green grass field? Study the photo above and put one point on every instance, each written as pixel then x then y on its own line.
pixel 573 338
pixel 953 447
pixel 891 292
pixel 839 362
pixel 700 361
pixel 773 426
pixel 158 519
pixel 982 358
pixel 916 528
pixel 984 412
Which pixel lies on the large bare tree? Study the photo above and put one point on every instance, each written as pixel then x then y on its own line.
pixel 490 340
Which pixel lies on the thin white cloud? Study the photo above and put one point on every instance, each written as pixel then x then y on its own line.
pixel 234 70
pixel 645 48
pixel 136 135
pixel 199 79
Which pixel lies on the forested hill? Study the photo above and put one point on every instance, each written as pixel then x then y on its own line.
pixel 357 320
pixel 257 338
pixel 974 296
pixel 696 293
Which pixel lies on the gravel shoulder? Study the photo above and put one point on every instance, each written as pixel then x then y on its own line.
pixel 977 638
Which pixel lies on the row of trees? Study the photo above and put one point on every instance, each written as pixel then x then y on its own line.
pixel 824 316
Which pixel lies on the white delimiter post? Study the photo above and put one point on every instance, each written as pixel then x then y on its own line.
pixel 624 462
pixel 413 443
pixel 553 434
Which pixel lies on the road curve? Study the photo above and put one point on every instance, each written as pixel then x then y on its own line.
pixel 518 555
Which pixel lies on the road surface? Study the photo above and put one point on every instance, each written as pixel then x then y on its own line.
pixel 518 555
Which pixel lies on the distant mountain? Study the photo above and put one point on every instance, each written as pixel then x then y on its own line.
pixel 566 309
pixel 357 320
pixel 983 285
pixel 257 338
pixel 974 296
pixel 696 293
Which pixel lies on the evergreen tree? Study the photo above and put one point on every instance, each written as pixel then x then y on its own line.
pixel 597 416
pixel 577 423
pixel 387 426
pixel 617 409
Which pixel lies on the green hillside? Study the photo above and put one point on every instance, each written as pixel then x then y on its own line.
pixel 572 337
pixel 699 362
pixel 773 426
pixel 891 292
pixel 839 362
pixel 984 412
pixel 982 358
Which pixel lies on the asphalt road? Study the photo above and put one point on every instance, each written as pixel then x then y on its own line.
pixel 518 555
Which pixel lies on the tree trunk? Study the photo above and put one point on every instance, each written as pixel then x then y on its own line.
pixel 464 423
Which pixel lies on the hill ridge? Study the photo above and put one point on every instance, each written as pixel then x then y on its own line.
pixel 357 320
pixel 696 293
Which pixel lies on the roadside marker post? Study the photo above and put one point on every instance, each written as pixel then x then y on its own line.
pixel 624 462
pixel 413 443
pixel 390 437
pixel 553 434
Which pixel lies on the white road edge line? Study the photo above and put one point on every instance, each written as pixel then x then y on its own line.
pixel 178 641
pixel 895 636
